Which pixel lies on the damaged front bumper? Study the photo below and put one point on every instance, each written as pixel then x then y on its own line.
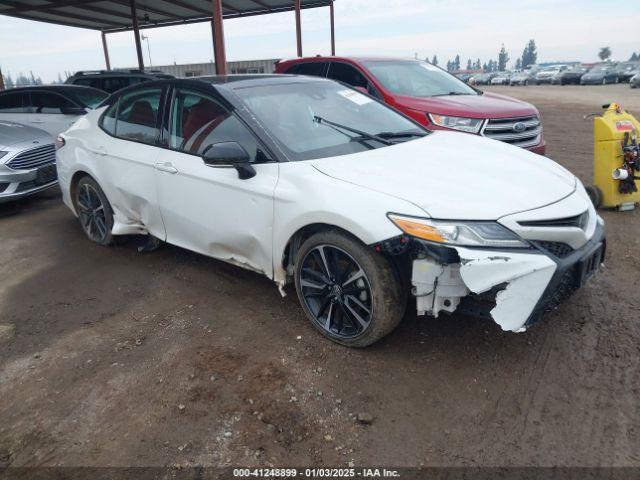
pixel 514 287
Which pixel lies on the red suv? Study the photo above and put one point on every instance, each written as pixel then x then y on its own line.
pixel 431 96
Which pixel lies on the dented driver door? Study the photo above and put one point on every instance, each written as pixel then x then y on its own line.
pixel 210 209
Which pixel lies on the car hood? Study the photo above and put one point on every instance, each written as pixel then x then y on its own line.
pixel 487 105
pixel 12 133
pixel 593 75
pixel 458 176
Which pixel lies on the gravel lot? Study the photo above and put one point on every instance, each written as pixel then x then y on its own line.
pixel 109 357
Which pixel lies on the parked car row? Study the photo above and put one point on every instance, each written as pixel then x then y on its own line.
pixel 601 74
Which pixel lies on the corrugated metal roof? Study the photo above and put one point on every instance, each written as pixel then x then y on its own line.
pixel 115 15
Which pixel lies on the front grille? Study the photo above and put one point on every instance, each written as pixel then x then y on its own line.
pixel 558 249
pixel 577 221
pixel 502 129
pixel 36 157
pixel 565 287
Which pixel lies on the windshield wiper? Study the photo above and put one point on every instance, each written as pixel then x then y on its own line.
pixel 394 135
pixel 361 135
pixel 451 93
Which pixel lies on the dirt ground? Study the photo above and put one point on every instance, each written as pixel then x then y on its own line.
pixel 109 357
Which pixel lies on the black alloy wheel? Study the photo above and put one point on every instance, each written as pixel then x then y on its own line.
pixel 94 211
pixel 336 291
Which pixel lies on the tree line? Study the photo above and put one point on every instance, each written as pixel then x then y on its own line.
pixel 529 57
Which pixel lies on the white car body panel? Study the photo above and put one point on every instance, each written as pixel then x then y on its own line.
pixel 52 123
pixel 237 214
pixel 454 177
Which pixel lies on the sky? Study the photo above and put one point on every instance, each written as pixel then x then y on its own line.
pixel 564 30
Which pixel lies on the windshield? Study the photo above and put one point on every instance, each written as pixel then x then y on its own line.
pixel 89 97
pixel 416 79
pixel 324 119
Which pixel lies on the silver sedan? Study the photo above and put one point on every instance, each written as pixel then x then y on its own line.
pixel 27 161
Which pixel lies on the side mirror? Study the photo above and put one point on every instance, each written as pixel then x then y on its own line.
pixel 73 111
pixel 229 154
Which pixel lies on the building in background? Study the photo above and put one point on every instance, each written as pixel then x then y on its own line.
pixel 209 68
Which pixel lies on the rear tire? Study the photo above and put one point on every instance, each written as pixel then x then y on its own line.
pixel 347 290
pixel 94 211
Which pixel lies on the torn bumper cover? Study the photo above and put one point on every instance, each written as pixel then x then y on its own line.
pixel 521 285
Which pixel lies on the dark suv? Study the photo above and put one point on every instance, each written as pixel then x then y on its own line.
pixel 113 80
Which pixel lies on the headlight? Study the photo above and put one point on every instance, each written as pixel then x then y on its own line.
pixel 469 125
pixel 467 234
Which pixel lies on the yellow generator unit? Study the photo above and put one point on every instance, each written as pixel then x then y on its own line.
pixel 616 159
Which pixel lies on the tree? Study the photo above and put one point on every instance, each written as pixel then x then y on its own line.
pixel 469 65
pixel 634 57
pixel 478 65
pixel 485 67
pixel 604 53
pixel 8 81
pixel 529 54
pixel 434 60
pixel 456 63
pixel 518 64
pixel 503 59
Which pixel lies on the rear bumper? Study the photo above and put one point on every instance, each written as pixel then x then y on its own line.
pixel 565 280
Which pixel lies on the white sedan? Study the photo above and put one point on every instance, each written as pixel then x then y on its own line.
pixel 313 183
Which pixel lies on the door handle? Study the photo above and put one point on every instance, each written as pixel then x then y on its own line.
pixel 37 121
pixel 97 150
pixel 166 167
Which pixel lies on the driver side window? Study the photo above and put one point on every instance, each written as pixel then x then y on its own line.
pixel 198 120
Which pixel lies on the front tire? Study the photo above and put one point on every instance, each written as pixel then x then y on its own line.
pixel 348 291
pixel 94 211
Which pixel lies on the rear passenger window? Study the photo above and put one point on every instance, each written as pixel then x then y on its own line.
pixel 347 74
pixel 137 116
pixel 88 82
pixel 315 69
pixel 13 103
pixel 46 102
pixel 113 84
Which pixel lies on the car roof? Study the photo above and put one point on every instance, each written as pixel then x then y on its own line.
pixel 352 59
pixel 226 81
pixel 53 88
pixel 250 80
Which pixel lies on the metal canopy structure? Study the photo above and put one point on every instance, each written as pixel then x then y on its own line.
pixel 110 16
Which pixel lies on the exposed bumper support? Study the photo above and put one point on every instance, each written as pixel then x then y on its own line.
pixel 528 283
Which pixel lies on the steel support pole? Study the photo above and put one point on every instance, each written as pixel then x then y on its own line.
pixel 136 34
pixel 298 27
pixel 105 49
pixel 217 31
pixel 333 30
